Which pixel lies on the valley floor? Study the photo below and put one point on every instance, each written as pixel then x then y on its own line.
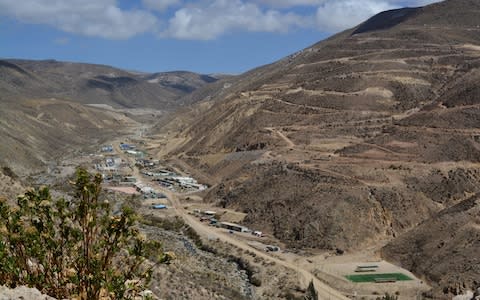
pixel 325 269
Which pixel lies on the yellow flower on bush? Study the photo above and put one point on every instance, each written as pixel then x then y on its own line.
pixel 45 203
pixel 3 230
pixel 30 230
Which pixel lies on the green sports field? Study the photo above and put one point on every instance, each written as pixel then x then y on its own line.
pixel 378 277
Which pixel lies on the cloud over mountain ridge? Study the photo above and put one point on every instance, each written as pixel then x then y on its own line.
pixel 195 20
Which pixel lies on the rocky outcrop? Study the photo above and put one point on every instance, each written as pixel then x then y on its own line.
pixel 22 293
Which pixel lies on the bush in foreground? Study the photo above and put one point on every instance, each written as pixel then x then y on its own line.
pixel 74 249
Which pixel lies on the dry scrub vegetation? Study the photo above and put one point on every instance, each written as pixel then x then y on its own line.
pixel 75 249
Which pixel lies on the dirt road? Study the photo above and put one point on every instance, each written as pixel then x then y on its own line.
pixel 289 142
pixel 324 291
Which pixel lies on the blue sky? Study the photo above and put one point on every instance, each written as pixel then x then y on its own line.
pixel 206 36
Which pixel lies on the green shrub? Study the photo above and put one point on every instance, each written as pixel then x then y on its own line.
pixel 74 248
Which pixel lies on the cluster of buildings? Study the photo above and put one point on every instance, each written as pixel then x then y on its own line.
pixel 131 150
pixel 158 173
pixel 107 149
pixel 147 191
pixel 118 172
pixel 113 168
pixel 172 180
pixel 109 164
pixel 126 147
pixel 145 163
pixel 210 216
pixel 189 183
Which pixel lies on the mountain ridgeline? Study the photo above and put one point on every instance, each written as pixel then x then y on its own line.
pixel 97 84
pixel 47 107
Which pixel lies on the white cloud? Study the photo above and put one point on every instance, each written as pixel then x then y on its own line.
pixel 334 16
pixel 196 19
pixel 418 2
pixel 160 5
pixel 99 18
pixel 290 3
pixel 213 18
pixel 209 19
pixel 296 3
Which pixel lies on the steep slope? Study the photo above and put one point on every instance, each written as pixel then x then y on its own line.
pixel 449 258
pixel 382 73
pixel 10 187
pixel 351 142
pixel 96 84
pixel 44 112
pixel 39 131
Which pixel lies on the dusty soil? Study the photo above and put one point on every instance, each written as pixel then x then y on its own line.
pixel 356 140
pixel 368 138
pixel 450 255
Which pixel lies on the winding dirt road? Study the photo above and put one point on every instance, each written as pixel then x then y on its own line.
pixel 288 141
pixel 324 291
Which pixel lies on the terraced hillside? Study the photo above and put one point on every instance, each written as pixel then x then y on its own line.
pixel 351 142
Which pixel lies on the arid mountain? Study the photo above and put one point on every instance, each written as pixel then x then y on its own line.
pixel 37 132
pixel 44 112
pixel 351 142
pixel 10 187
pixel 383 73
pixel 96 84
pixel 444 249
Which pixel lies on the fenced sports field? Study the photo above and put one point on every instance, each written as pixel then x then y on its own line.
pixel 385 277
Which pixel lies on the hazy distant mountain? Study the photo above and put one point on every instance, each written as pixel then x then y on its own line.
pixel 96 84
pixel 357 139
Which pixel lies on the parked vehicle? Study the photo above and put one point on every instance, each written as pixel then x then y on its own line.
pixel 271 248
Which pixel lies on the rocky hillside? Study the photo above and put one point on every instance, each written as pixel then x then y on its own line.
pixel 10 187
pixel 352 141
pixel 46 107
pixel 449 257
pixel 381 73
pixel 96 84
pixel 39 131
